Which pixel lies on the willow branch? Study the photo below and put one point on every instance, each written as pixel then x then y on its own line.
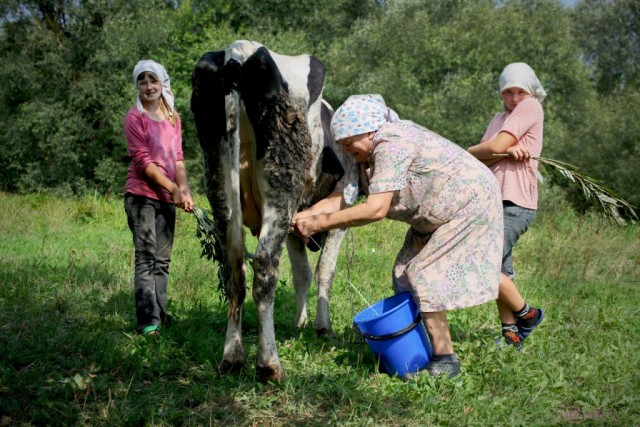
pixel 595 192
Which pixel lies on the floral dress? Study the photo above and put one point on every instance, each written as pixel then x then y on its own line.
pixel 452 252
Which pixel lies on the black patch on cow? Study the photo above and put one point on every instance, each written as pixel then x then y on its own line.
pixel 283 141
pixel 207 98
pixel 315 80
pixel 316 241
pixel 331 164
pixel 261 77
pixel 332 172
pixel 211 81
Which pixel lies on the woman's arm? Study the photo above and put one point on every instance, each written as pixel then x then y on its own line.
pixel 332 203
pixel 373 209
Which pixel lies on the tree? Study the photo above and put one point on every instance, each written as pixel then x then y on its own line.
pixel 438 63
pixel 70 62
pixel 608 33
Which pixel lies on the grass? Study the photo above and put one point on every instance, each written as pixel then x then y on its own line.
pixel 69 354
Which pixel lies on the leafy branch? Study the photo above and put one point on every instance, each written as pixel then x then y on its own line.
pixel 595 192
pixel 211 245
pixel 206 233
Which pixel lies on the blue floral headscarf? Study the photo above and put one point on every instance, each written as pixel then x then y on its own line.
pixel 361 114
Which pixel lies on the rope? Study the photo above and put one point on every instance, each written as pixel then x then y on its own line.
pixel 351 285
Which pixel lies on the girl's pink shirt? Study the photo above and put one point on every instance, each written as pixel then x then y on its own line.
pixel 149 142
pixel 517 179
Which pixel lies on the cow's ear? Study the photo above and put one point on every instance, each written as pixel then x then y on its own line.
pixel 330 163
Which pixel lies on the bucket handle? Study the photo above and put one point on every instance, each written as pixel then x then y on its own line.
pixel 417 320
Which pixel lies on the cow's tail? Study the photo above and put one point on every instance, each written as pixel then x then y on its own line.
pixel 235 233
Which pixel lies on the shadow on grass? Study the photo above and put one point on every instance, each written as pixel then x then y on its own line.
pixel 69 355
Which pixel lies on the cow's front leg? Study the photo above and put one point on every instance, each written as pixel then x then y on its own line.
pixel 325 270
pixel 301 272
pixel 265 279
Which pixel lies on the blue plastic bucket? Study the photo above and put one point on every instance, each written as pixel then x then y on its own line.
pixel 394 330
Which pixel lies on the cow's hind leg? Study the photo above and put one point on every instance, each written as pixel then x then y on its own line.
pixel 215 116
pixel 283 153
pixel 265 266
pixel 234 357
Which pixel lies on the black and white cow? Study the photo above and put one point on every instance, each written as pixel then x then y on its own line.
pixel 264 132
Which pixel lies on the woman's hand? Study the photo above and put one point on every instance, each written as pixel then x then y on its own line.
pixel 519 152
pixel 304 227
pixel 298 215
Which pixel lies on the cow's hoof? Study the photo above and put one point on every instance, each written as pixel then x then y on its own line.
pixel 232 367
pixel 269 373
pixel 325 332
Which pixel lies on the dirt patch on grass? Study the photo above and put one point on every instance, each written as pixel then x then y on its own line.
pixel 575 414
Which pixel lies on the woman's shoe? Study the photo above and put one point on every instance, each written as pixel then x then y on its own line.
pixel 449 368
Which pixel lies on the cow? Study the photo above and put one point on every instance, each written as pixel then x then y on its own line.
pixel 268 153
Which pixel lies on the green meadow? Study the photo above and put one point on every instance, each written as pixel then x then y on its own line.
pixel 69 354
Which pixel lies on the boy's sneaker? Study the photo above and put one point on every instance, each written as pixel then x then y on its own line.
pixel 510 338
pixel 527 325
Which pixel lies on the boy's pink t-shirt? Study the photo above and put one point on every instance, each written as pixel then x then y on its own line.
pixel 149 142
pixel 517 179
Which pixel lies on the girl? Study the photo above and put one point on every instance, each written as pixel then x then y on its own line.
pixel 517 131
pixel 156 184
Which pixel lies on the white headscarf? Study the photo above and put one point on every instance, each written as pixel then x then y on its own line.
pixel 520 75
pixel 361 114
pixel 147 65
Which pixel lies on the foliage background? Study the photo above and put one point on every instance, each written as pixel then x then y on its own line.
pixel 67 352
pixel 66 67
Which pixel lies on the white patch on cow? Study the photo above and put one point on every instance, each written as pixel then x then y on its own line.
pixel 241 50
pixel 270 216
pixel 267 349
pixel 294 69
pixel 233 350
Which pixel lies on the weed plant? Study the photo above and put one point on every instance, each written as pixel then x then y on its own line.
pixel 69 354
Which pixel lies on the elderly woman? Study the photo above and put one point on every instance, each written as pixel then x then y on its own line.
pixel 452 251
